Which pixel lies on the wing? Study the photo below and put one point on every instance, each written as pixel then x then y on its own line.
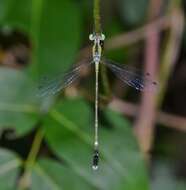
pixel 48 87
pixel 131 76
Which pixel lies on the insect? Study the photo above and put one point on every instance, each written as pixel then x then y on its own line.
pixel 125 74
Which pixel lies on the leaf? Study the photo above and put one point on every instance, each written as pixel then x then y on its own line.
pixel 54 28
pixel 18 105
pixel 121 165
pixel 130 159
pixel 17 17
pixel 9 169
pixel 4 4
pixel 51 175
pixel 56 36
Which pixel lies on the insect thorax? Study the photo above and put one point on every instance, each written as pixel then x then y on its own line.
pixel 97 47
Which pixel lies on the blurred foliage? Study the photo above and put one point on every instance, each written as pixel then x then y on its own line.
pixel 55 32
pixel 9 165
pixel 17 108
pixel 165 179
pixel 68 136
pixel 133 12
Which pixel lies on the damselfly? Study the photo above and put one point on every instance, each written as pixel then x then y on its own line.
pixel 124 73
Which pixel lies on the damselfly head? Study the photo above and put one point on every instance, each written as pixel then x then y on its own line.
pixel 97 37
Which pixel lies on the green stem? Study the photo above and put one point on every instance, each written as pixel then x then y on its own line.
pixel 36 6
pixel 35 148
pixel 24 181
pixel 97 18
pixel 105 81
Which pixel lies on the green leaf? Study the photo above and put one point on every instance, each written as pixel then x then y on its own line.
pixel 121 165
pixel 17 17
pixel 54 28
pixel 9 169
pixel 56 35
pixel 4 4
pixel 51 175
pixel 18 104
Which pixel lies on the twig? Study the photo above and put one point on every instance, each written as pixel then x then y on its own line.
pixel 144 124
pixel 165 119
pixel 171 51
pixel 134 36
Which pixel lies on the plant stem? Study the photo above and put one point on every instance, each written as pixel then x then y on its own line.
pixel 35 147
pixel 144 124
pixel 104 77
pixel 163 118
pixel 170 53
pixel 24 182
pixel 36 10
pixel 97 19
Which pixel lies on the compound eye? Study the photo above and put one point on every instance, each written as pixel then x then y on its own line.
pixel 91 37
pixel 102 37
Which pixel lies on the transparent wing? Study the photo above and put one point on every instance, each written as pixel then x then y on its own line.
pixel 131 76
pixel 52 86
